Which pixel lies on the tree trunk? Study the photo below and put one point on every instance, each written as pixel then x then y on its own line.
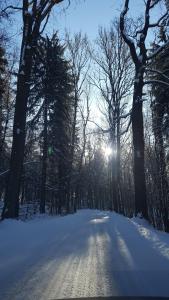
pixel 1 130
pixel 44 161
pixel 11 205
pixel 138 148
pixel 72 148
pixel 163 188
pixel 114 184
pixel 118 163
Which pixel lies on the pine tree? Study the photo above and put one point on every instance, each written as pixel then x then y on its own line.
pixel 159 117
pixel 52 95
pixel 60 118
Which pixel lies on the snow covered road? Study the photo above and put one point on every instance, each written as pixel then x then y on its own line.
pixel 88 254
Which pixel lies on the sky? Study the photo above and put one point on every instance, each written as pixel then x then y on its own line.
pixel 85 15
pixel 80 15
pixel 88 15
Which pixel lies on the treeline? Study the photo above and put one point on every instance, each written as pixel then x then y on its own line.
pixel 60 157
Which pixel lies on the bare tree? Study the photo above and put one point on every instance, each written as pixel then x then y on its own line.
pixel 141 58
pixel 113 77
pixel 77 48
pixel 79 58
pixel 84 115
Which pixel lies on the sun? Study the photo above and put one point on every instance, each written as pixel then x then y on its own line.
pixel 107 151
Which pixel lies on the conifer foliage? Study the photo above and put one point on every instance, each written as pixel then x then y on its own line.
pixel 52 94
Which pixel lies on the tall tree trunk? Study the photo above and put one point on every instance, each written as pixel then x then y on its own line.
pixel 61 191
pixel 11 205
pixel 114 171
pixel 74 127
pixel 70 200
pixel 44 161
pixel 118 159
pixel 1 130
pixel 163 188
pixel 114 184
pixel 138 148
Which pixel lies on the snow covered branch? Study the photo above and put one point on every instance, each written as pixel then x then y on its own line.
pixel 156 81
pixel 126 38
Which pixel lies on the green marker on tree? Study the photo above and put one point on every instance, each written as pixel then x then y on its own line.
pixel 50 150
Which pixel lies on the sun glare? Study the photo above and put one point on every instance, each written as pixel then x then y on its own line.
pixel 107 151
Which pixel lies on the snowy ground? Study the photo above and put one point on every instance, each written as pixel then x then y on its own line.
pixel 91 253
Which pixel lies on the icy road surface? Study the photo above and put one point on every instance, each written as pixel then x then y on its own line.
pixel 91 253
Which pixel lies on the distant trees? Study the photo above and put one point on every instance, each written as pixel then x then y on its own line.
pixel 113 78
pixel 6 111
pixel 79 158
pixel 3 65
pixel 78 54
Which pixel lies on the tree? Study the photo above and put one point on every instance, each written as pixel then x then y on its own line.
pixel 78 54
pixel 159 108
pixel 113 78
pixel 50 103
pixel 140 57
pixel 78 182
pixel 60 123
pixel 34 13
pixel 3 65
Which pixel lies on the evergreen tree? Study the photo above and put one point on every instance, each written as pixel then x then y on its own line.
pixel 160 110
pixel 51 93
pixel 60 126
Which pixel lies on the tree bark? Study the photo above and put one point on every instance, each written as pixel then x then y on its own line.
pixel 44 162
pixel 138 148
pixel 163 188
pixel 11 205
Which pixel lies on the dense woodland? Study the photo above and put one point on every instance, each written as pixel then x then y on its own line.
pixel 56 156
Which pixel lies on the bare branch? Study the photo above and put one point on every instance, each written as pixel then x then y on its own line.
pixel 126 38
pixel 158 72
pixel 156 81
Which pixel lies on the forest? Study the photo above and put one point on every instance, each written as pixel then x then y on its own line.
pixel 57 153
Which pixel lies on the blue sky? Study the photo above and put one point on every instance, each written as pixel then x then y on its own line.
pixel 87 15
pixel 82 15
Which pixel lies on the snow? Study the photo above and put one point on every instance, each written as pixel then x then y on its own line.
pixel 88 254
